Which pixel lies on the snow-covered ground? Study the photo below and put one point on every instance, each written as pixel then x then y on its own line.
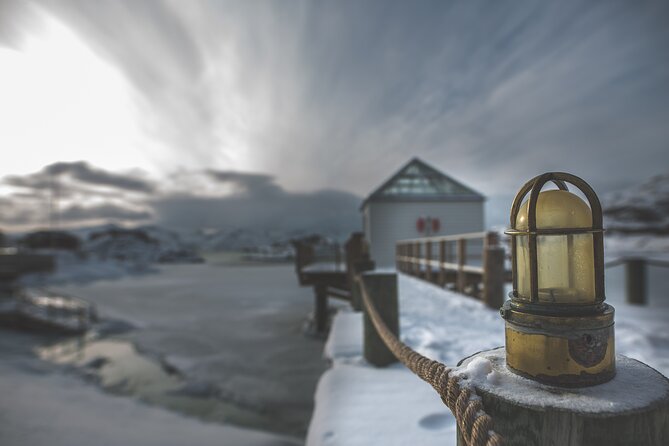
pixel 357 404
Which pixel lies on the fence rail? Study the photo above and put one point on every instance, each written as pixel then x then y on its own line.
pixel 449 260
pixel 636 276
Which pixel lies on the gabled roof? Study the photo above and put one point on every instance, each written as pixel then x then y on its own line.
pixel 418 181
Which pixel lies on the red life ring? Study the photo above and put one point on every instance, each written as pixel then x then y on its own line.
pixel 436 225
pixel 420 225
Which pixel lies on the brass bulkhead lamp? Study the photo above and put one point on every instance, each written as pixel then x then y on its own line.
pixel 558 329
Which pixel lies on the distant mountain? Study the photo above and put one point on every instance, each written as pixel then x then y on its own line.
pixel 253 240
pixel 146 244
pixel 642 209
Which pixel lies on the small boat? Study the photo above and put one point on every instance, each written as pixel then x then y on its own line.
pixel 46 311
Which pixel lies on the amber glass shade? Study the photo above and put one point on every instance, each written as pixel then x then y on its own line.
pixel 565 263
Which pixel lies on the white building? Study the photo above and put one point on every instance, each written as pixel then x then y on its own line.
pixel 418 201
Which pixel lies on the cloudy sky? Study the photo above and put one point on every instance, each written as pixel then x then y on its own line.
pixel 148 110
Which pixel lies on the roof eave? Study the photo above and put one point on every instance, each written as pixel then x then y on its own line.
pixel 424 199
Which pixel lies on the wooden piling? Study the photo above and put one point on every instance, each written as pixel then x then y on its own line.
pixel 359 267
pixel 417 267
pixel 381 288
pixel 428 259
pixel 461 281
pixel 493 276
pixel 493 271
pixel 355 249
pixel 631 409
pixel 635 283
pixel 442 259
pixel 304 255
pixel 320 307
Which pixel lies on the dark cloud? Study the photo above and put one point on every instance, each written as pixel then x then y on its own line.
pixel 258 185
pixel 254 202
pixel 323 211
pixel 82 173
pixel 108 212
pixel 339 94
pixel 257 203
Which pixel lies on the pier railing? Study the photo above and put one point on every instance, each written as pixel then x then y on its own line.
pixel 473 263
pixel 636 276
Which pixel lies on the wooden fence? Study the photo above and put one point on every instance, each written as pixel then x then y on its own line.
pixel 473 263
pixel 636 276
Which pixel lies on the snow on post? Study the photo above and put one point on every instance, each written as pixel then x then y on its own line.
pixel 632 408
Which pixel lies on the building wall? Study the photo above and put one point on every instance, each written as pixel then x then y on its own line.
pixel 388 222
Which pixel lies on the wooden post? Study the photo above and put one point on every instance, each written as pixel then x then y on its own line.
pixel 461 281
pixel 359 267
pixel 493 276
pixel 337 256
pixel 428 259
pixel 493 271
pixel 409 266
pixel 417 255
pixel 381 289
pixel 321 307
pixel 635 281
pixel 355 248
pixel 442 259
pixel 631 409
pixel 398 253
pixel 304 255
pixel 491 239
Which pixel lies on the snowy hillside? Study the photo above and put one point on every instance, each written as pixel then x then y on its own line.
pixel 643 209
pixel 148 244
pixel 255 240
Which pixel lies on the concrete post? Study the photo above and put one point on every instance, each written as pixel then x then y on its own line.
pixel 381 289
pixel 635 281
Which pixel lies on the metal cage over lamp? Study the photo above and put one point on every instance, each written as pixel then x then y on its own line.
pixel 558 328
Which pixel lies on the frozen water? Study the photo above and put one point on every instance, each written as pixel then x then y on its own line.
pixel 237 328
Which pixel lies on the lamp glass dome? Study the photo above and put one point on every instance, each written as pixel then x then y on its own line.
pixel 565 263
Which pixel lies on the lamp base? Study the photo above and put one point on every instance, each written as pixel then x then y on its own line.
pixel 569 351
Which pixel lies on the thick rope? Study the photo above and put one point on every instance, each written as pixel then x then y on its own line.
pixel 475 425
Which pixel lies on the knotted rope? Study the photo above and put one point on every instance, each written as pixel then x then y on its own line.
pixel 476 427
